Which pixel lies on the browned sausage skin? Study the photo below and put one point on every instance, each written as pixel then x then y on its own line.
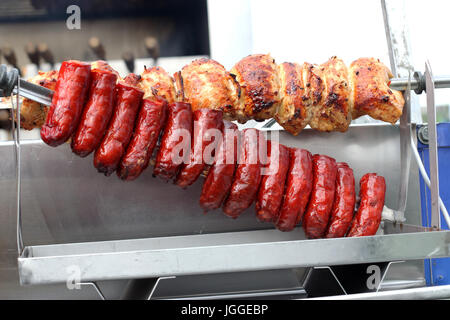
pixel 67 103
pixel 270 194
pixel 344 202
pixel 248 174
pixel 151 119
pixel 208 126
pixel 372 193
pixel 96 114
pixel 175 142
pixel 317 215
pixel 297 191
pixel 220 176
pixel 115 142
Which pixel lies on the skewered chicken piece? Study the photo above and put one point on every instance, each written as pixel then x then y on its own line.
pixel 369 80
pixel 157 82
pixel 205 83
pixel 326 96
pixel 32 113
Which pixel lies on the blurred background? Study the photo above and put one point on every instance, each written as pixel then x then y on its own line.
pixel 35 35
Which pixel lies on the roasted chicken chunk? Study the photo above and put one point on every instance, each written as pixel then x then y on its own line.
pixel 32 113
pixel 156 82
pixel 258 79
pixel 294 112
pixel 205 83
pixel 333 113
pixel 369 79
pixel 326 97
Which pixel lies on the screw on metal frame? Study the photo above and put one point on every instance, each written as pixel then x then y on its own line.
pixel 422 134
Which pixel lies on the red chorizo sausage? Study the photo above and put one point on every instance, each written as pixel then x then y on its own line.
pixel 67 102
pixel 220 175
pixel 367 219
pixel 248 174
pixel 317 215
pixel 115 142
pixel 175 142
pixel 270 194
pixel 297 190
pixel 344 202
pixel 96 113
pixel 151 119
pixel 204 121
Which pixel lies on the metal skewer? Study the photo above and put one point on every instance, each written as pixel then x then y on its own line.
pixel 8 79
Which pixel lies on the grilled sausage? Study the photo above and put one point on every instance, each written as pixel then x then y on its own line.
pixel 372 193
pixel 270 194
pixel 175 142
pixel 344 202
pixel 317 215
pixel 205 120
pixel 297 190
pixel 96 114
pixel 151 119
pixel 248 174
pixel 67 102
pixel 114 145
pixel 220 176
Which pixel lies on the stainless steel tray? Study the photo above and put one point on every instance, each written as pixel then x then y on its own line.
pixel 218 253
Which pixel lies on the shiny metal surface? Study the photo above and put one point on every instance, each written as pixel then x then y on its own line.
pixel 405 154
pixel 66 200
pixel 401 84
pixel 400 60
pixel 218 253
pixel 428 293
pixel 433 151
pixel 34 92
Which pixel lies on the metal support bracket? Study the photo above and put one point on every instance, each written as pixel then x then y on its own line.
pixel 96 288
pixel 346 279
pixel 432 135
pixel 142 289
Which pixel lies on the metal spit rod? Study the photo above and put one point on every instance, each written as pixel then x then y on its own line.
pixel 8 81
pixel 418 83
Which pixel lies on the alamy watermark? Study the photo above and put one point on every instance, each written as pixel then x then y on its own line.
pixel 73 22
pixel 248 147
pixel 73 277
pixel 373 281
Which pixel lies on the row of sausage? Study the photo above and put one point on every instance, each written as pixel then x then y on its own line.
pixel 290 186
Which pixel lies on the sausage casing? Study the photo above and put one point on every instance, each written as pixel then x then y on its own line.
pixel 151 119
pixel 297 190
pixel 220 176
pixel 67 102
pixel 208 125
pixel 175 142
pixel 372 193
pixel 96 114
pixel 317 215
pixel 115 142
pixel 248 174
pixel 270 194
pixel 344 202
